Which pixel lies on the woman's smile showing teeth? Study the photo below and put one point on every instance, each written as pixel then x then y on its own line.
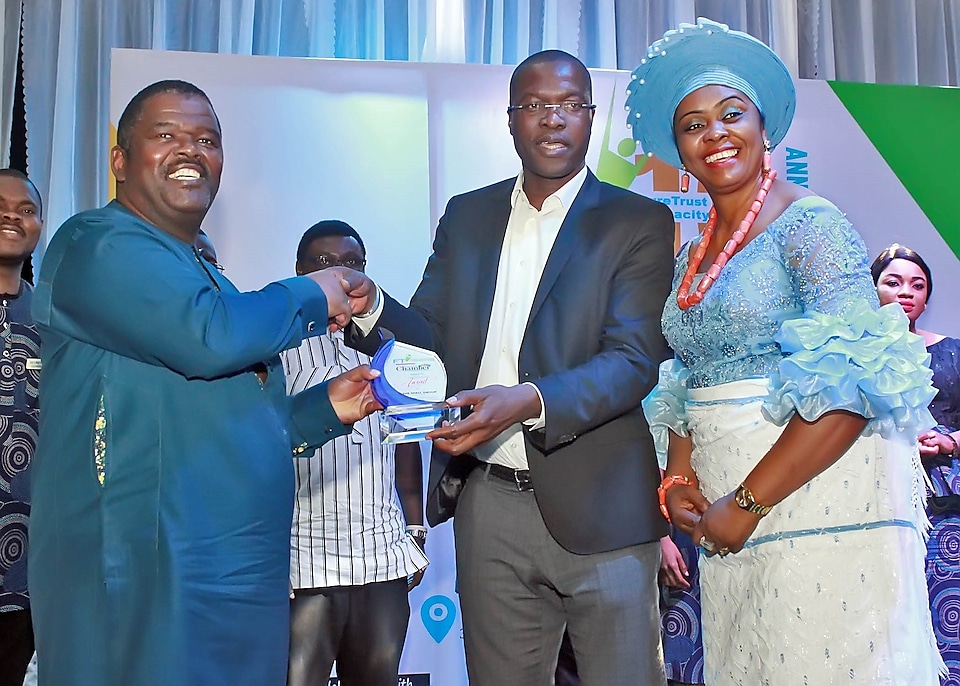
pixel 720 156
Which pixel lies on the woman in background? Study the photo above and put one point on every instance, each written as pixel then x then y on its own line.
pixel 902 276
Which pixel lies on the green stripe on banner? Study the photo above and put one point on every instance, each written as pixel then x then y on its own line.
pixel 914 128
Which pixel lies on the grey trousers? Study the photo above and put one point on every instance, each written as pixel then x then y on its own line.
pixel 519 589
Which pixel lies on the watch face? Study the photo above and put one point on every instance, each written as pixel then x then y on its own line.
pixel 744 498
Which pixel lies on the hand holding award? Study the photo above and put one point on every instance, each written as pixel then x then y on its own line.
pixel 411 387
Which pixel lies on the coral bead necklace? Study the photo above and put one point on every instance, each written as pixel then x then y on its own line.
pixel 686 299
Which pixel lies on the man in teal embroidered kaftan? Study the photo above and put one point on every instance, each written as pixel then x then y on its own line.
pixel 163 489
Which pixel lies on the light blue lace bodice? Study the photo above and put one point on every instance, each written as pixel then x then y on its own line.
pixel 797 305
pixel 808 259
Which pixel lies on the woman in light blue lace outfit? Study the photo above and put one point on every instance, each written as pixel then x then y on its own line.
pixel 794 402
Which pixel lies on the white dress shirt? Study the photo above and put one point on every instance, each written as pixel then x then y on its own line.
pixel 526 246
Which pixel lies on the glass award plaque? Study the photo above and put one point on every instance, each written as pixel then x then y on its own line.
pixel 411 387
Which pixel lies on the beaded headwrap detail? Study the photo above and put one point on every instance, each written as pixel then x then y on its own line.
pixel 703 54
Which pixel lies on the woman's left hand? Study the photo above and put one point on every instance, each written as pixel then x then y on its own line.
pixel 726 526
pixel 934 443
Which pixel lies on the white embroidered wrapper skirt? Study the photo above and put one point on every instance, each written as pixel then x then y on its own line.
pixel 830 588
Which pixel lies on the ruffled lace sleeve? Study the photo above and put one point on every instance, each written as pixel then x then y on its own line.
pixel 846 352
pixel 665 407
pixel 866 362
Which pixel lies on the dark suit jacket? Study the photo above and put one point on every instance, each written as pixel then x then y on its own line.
pixel 592 346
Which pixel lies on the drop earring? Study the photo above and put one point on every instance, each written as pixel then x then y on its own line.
pixel 766 157
pixel 684 180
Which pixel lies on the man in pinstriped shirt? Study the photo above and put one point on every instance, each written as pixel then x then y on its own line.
pixel 351 554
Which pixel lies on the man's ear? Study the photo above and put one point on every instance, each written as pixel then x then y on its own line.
pixel 118 163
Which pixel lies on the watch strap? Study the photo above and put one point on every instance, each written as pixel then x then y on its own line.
pixel 745 500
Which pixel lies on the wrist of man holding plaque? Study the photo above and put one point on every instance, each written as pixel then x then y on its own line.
pixel 367 320
pixel 372 309
pixel 540 420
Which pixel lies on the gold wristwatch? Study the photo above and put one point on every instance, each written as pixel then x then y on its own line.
pixel 744 498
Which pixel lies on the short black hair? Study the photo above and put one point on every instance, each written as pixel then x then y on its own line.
pixel 328 227
pixel 900 252
pixel 17 174
pixel 549 57
pixel 134 109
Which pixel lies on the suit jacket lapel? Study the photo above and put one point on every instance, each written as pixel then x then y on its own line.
pixel 490 246
pixel 566 241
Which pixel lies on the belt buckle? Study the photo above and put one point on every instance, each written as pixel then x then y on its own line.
pixel 523 484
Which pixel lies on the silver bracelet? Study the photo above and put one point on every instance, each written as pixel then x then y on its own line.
pixel 956 448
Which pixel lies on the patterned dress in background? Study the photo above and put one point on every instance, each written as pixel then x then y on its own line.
pixel 19 377
pixel 680 619
pixel 943 546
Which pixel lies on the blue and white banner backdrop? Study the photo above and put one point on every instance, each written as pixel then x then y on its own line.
pixel 384 145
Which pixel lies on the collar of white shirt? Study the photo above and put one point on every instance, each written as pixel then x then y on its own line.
pixel 565 195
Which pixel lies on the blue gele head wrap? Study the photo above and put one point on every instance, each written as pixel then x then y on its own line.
pixel 705 54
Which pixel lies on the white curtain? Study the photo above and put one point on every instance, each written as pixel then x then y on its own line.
pixel 9 49
pixel 67 43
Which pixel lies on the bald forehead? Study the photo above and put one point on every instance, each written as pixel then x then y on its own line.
pixel 556 65
pixel 175 101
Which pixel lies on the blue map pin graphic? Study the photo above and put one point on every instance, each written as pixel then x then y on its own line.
pixel 438 613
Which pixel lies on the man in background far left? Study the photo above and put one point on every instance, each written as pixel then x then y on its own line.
pixel 20 224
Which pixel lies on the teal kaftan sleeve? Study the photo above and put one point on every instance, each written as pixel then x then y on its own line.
pixel 313 420
pixel 138 292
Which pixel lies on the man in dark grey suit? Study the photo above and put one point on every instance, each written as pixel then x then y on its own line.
pixel 543 297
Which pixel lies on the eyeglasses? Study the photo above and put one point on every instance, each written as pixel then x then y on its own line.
pixel 539 109
pixel 324 261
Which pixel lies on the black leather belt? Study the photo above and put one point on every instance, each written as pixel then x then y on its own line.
pixel 518 477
